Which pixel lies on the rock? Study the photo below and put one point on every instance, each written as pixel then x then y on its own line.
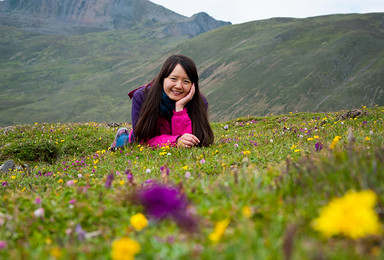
pixel 7 166
pixel 352 114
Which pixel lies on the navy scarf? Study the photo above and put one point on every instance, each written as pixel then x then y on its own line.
pixel 167 106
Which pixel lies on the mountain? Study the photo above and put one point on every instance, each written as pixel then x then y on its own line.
pixel 278 65
pixel 80 16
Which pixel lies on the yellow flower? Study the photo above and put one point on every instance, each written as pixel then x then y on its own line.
pixel 247 212
pixel 316 137
pixel 220 228
pixel 246 152
pixel 352 216
pixel 13 177
pixel 60 181
pixel 55 252
pixel 367 138
pixel 297 150
pixel 95 161
pixel 121 182
pixel 125 249
pixel 334 142
pixel 310 139
pixel 293 147
pixel 139 221
pixel 163 153
pixel 185 167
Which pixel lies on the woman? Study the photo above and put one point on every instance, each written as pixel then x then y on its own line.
pixel 171 110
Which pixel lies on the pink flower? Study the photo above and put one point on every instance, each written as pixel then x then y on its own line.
pixel 3 244
pixel 70 183
pixel 39 212
pixel 37 201
pixel 202 161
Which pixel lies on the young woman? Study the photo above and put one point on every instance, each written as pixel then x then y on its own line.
pixel 171 110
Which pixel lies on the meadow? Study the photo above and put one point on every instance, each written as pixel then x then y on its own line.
pixel 292 186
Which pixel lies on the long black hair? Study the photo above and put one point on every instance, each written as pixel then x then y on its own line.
pixel 146 126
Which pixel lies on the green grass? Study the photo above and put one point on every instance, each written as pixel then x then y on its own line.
pixel 267 164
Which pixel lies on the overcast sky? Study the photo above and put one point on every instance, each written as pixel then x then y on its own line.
pixel 239 11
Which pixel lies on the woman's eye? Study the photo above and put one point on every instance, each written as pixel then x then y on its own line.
pixel 187 82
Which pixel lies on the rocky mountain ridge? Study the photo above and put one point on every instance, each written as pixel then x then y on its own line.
pixel 59 16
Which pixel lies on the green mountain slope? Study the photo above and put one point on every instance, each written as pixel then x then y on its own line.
pixel 282 65
pixel 272 66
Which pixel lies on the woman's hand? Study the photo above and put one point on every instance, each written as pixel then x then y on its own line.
pixel 179 106
pixel 187 140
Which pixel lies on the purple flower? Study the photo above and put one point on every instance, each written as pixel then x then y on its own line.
pixel 164 201
pixel 318 146
pixel 108 181
pixel 3 244
pixel 72 201
pixel 38 201
pixel 80 232
pixel 4 184
pixel 202 161
pixel 164 170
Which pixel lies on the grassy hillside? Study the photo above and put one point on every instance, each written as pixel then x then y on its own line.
pixel 282 65
pixel 256 193
pixel 272 66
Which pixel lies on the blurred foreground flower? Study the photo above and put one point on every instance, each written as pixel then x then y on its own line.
pixel 125 249
pixel 220 228
pixel 139 221
pixel 352 216
pixel 3 244
pixel 164 201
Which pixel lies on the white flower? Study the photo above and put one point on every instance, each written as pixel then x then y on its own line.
pixel 148 171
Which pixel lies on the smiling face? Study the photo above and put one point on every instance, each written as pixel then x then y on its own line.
pixel 177 85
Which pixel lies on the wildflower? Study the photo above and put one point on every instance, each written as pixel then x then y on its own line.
pixel 79 176
pixel 185 167
pixel 165 201
pixel 367 138
pixel 187 175
pixel 165 170
pixel 4 184
pixel 81 234
pixel 3 244
pixel 297 150
pixel 310 139
pixel 39 212
pixel 148 171
pixel 121 183
pixel 246 211
pixel 236 145
pixel 246 152
pixel 125 249
pixel 220 228
pixel 334 142
pixel 108 181
pixel 38 201
pixel 60 181
pixel 352 216
pixel 13 177
pixel 139 221
pixel 293 147
pixel 72 201
pixel 70 183
pixel 55 252
pixel 318 146
pixel 226 127
pixel 202 161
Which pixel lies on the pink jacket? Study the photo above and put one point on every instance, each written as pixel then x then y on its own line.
pixel 180 122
